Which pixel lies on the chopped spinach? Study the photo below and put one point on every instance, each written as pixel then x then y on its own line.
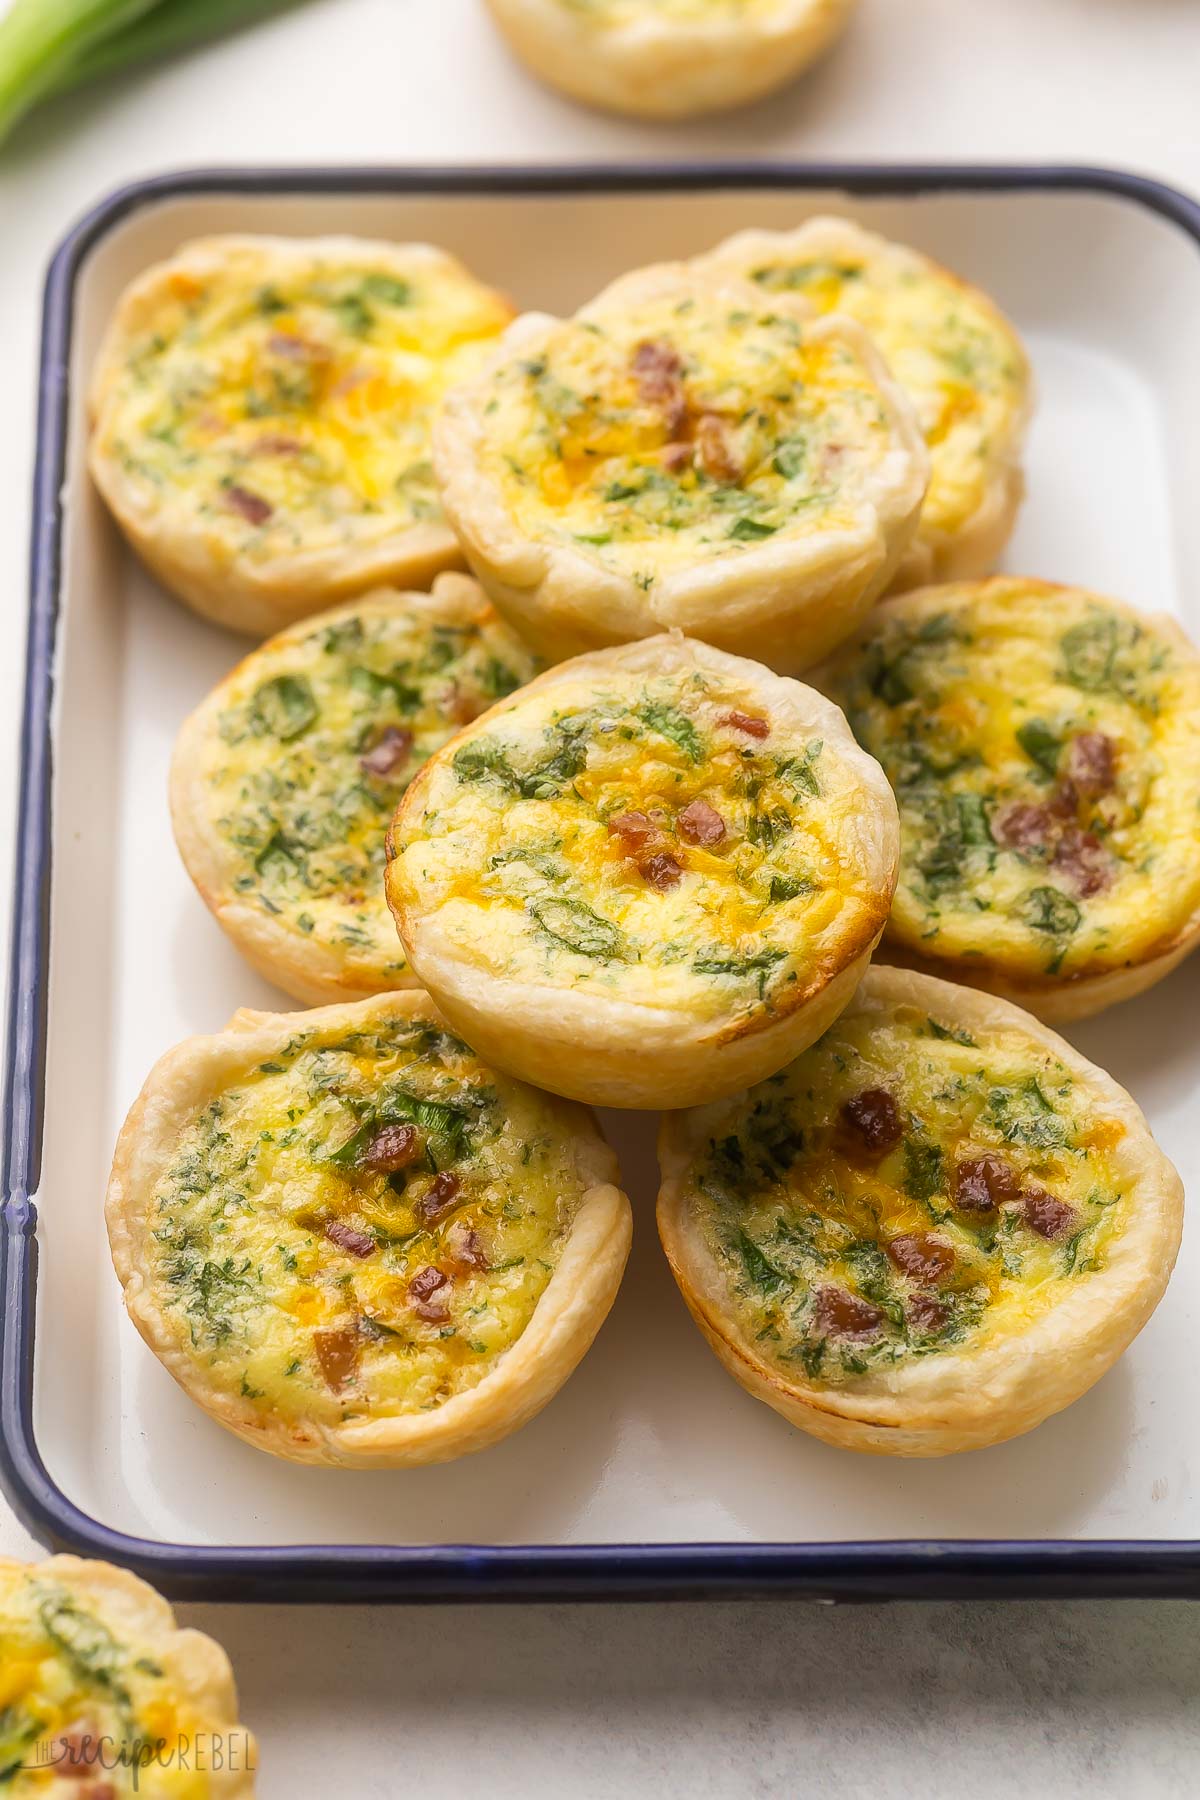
pixel 923 1169
pixel 1089 652
pixel 760 1270
pixel 1049 910
pixel 285 706
pixel 1041 745
pixel 673 724
pixel 760 963
pixel 573 923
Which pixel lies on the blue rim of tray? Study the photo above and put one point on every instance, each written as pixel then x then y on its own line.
pixel 906 1569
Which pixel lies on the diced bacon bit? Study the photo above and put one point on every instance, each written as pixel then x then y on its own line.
pixel 748 723
pixel 839 1313
pixel 348 1238
pixel 1092 764
pixel 296 349
pixel 1084 861
pixel 874 1119
pixel 658 370
pixel 252 507
pixel 439 1198
pixel 425 1293
pixel 1023 826
pixel 464 708
pixel 675 457
pixel 389 753
pixel 1064 801
pixel 926 1314
pixel 700 823
pixel 644 841
pixel 467 1247
pixel 717 455
pixel 1049 1217
pixel 337 1354
pixel 926 1259
pixel 635 830
pixel 276 444
pixel 393 1147
pixel 982 1182
pixel 662 871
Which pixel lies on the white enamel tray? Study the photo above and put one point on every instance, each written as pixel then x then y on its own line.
pixel 652 1472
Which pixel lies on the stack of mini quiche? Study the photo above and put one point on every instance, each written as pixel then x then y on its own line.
pixel 730 781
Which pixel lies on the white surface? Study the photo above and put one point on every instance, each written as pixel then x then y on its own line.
pixel 650 1442
pixel 731 1700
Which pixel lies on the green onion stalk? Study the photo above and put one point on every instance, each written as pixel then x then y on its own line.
pixel 50 47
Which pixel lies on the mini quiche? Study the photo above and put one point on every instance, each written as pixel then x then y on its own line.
pixel 684 452
pixel 285 779
pixel 669 59
pixel 1044 746
pixel 102 1695
pixel 953 352
pixel 261 415
pixel 350 1242
pixel 934 1229
pixel 650 877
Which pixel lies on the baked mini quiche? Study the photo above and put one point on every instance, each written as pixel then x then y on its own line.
pixel 351 1242
pixel 650 877
pixel 668 59
pixel 931 1231
pixel 101 1695
pixel 261 412
pixel 1044 746
pixel 285 779
pixel 684 452
pixel 956 356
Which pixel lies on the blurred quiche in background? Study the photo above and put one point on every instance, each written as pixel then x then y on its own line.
pixel 102 1695
pixel 668 59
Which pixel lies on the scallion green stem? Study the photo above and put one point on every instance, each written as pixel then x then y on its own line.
pixel 171 26
pixel 40 40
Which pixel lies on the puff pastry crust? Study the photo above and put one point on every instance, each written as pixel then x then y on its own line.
pixel 687 453
pixel 647 879
pixel 935 1229
pixel 261 413
pixel 958 359
pixel 1044 746
pixel 285 778
pixel 93 1672
pixel 670 59
pixel 351 1242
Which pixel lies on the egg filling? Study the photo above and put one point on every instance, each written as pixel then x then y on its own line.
pixel 362 1225
pixel 1044 747
pixel 663 839
pixel 321 734
pixel 955 356
pixel 289 400
pixel 682 429
pixel 82 1707
pixel 901 1190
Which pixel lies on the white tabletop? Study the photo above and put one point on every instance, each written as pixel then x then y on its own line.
pixel 738 1699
